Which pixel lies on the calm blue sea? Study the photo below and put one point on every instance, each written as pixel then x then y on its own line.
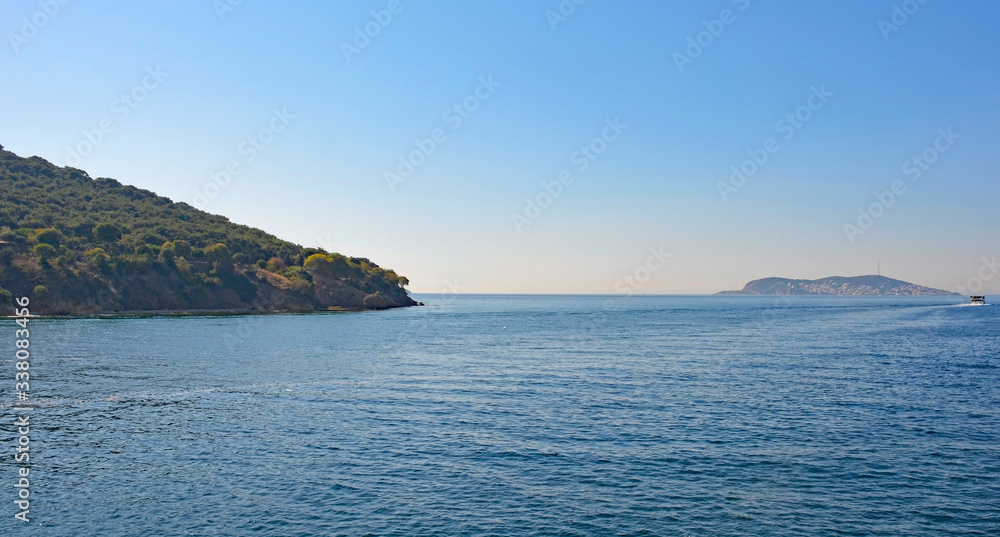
pixel 517 415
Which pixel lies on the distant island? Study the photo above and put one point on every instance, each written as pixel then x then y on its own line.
pixel 77 245
pixel 838 286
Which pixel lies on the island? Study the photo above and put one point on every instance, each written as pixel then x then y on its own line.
pixel 81 246
pixel 838 286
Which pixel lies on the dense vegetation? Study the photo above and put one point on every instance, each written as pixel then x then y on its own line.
pixel 82 245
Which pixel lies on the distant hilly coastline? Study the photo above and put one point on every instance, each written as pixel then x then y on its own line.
pixel 838 286
pixel 82 246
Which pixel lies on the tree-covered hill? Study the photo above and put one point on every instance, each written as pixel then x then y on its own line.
pixel 837 285
pixel 78 245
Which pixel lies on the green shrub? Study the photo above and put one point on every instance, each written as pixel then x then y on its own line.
pixel 141 261
pixel 183 265
pixel 167 251
pixel 299 285
pixel 297 272
pixel 44 251
pixel 218 253
pixel 106 232
pixel 40 291
pixel 182 248
pixel 319 263
pixel 49 236
pixel 98 256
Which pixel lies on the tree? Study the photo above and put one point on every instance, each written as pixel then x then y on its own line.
pixel 183 266
pixel 182 248
pixel 98 256
pixel 49 236
pixel 220 257
pixel 218 253
pixel 167 253
pixel 106 232
pixel 301 286
pixel 276 264
pixel 144 249
pixel 45 251
pixel 40 291
pixel 319 263
pixel 171 250
pixel 297 272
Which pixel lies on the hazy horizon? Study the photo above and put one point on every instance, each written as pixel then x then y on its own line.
pixel 690 168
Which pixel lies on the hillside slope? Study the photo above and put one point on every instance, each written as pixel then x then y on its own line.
pixel 78 245
pixel 837 285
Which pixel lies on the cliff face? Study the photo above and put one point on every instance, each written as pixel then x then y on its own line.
pixel 854 286
pixel 81 246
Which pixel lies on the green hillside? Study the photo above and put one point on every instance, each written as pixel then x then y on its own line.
pixel 78 245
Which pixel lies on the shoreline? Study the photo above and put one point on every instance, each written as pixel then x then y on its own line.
pixel 199 313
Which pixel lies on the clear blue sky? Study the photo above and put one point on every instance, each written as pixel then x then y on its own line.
pixel 322 179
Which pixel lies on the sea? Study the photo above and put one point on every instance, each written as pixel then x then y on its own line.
pixel 515 415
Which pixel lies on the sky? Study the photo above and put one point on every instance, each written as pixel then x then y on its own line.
pixel 574 146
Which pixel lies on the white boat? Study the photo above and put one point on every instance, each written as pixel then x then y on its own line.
pixel 978 300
